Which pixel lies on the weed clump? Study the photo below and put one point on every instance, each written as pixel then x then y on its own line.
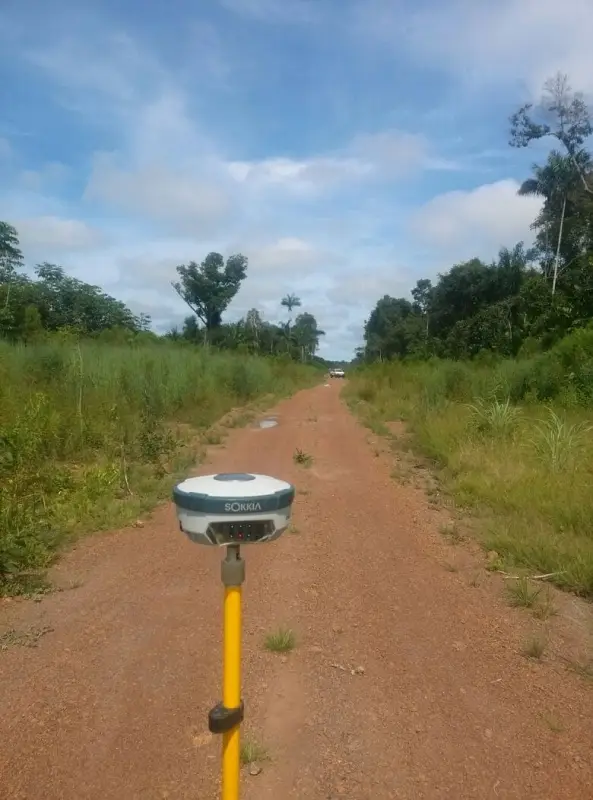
pixel 281 641
pixel 558 443
pixel 521 594
pixel 495 417
pixel 302 458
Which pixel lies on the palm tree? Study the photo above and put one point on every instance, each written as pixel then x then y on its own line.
pixel 553 182
pixel 290 301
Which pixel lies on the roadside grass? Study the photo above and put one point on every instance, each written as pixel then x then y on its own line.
pixel 29 638
pixel 450 531
pixel 553 723
pixel 281 641
pixel 584 670
pixel 524 469
pixel 535 647
pixel 301 457
pixel 522 594
pixel 253 752
pixel 545 607
pixel 93 435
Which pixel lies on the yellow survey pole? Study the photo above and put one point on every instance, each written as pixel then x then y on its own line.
pixel 226 717
pixel 231 691
pixel 252 509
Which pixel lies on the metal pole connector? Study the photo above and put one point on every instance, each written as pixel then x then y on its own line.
pixel 232 568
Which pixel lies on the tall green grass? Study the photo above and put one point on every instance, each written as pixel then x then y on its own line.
pixel 91 434
pixel 514 441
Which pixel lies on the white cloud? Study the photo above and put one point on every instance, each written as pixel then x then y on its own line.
pixel 188 201
pixel 109 65
pixel 484 41
pixel 301 176
pixel 288 256
pixel 476 222
pixel 42 234
pixel 387 155
pixel 124 91
pixel 362 290
pixel 394 152
pixel 36 180
pixel 286 264
pixel 146 260
pixel 169 183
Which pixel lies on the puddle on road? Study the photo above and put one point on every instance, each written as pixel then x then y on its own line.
pixel 267 423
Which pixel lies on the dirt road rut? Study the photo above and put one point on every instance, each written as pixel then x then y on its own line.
pixel 112 704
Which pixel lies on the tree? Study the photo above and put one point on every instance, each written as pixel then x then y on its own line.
pixel 306 335
pixel 253 319
pixel 562 114
pixel 514 265
pixel 392 330
pixel 173 334
pixel 254 324
pixel 554 181
pixel 422 294
pixel 290 301
pixel 271 338
pixel 32 327
pixel 533 296
pixel 209 287
pixel 473 307
pixel 190 330
pixel 490 329
pixel 232 336
pixel 459 294
pixel 11 257
pixel 144 322
pixel 67 302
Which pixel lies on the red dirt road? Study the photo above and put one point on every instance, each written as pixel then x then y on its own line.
pixel 112 704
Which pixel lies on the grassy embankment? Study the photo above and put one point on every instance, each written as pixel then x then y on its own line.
pixel 93 435
pixel 514 441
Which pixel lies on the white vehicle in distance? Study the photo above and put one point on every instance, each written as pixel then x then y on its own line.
pixel 336 373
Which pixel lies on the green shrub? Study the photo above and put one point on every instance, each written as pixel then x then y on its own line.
pixel 494 417
pixel 528 475
pixel 89 432
pixel 457 379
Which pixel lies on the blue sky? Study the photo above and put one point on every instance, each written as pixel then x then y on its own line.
pixel 347 147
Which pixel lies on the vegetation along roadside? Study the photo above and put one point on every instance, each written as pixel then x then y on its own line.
pixel 98 414
pixel 492 365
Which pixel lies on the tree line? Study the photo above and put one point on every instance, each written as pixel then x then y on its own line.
pixel 528 298
pixel 50 303
pixel 208 288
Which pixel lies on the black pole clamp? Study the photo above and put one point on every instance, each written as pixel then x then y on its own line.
pixel 222 719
